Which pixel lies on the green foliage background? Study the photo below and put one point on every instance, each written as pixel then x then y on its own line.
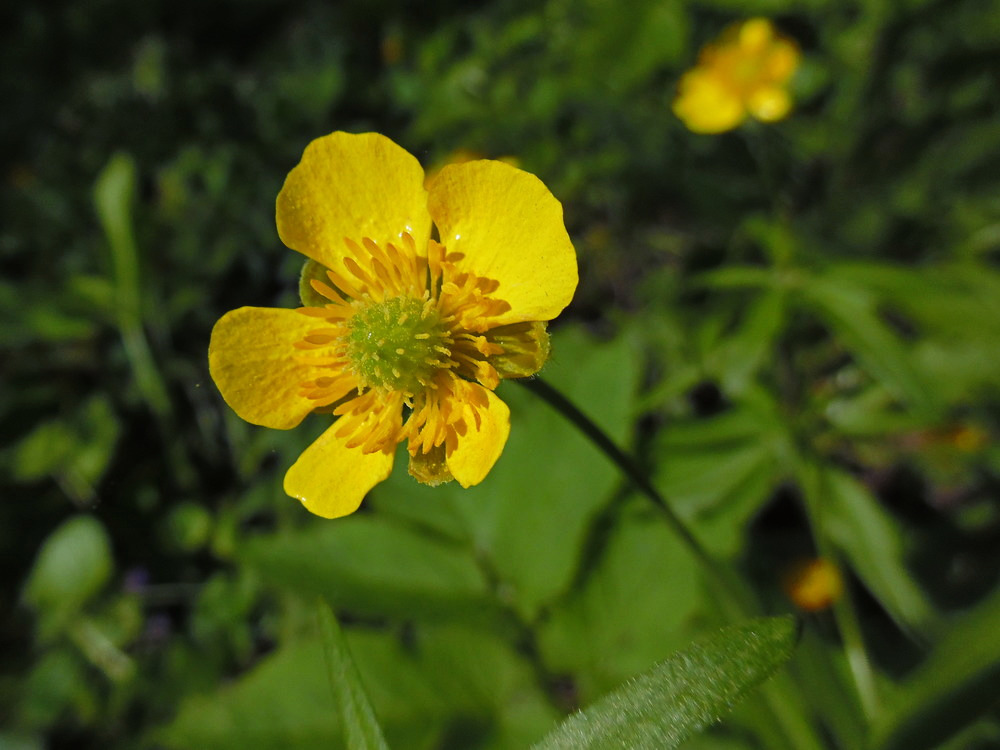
pixel 795 327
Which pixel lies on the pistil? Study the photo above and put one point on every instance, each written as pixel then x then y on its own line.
pixel 397 344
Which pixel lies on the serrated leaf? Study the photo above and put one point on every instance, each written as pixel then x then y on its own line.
pixel 361 728
pixel 661 708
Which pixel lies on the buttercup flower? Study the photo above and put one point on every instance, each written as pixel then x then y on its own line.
pixel 745 73
pixel 408 335
pixel 813 584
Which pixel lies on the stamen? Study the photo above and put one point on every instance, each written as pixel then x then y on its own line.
pixel 327 291
pixel 403 331
pixel 341 282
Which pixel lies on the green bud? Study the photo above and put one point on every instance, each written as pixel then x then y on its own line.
pixel 309 296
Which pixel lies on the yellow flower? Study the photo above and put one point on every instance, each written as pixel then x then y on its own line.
pixel 413 334
pixel 813 584
pixel 744 73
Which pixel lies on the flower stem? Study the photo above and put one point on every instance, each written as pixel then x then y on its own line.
pixel 730 593
pixel 735 600
pixel 844 612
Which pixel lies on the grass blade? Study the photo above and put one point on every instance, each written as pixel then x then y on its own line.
pixel 361 728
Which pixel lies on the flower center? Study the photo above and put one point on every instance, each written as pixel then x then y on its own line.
pixel 747 71
pixel 397 344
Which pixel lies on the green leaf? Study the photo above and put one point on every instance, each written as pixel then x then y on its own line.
pixel 624 49
pixel 372 565
pixel 739 277
pixel 56 686
pixel 694 688
pixel 114 193
pixel 718 472
pixel 957 683
pixel 855 522
pixel 832 696
pixel 282 702
pixel 440 686
pixel 75 449
pixel 43 451
pixel 528 520
pixel 616 624
pixel 468 681
pixel 11 741
pixel 940 299
pixel 534 516
pixel 72 566
pixel 738 358
pixel 851 313
pixel 361 728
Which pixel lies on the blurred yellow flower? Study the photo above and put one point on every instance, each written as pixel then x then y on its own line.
pixel 391 48
pixel 813 584
pixel 744 73
pixel 412 334
pixel 964 437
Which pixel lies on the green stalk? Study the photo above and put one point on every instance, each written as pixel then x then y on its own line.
pixel 114 192
pixel 735 600
pixel 778 695
pixel 844 612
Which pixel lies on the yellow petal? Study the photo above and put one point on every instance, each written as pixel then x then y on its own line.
pixel 478 449
pixel 331 479
pixel 755 34
pixel 509 228
pixel 458 156
pixel 256 367
pixel 769 104
pixel 706 105
pixel 352 186
pixel 783 58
